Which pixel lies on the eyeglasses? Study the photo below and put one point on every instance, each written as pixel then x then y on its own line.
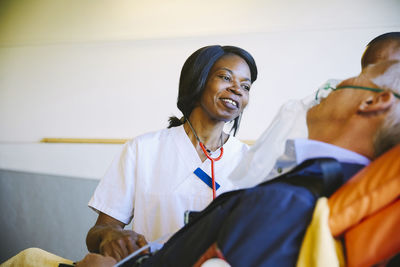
pixel 327 88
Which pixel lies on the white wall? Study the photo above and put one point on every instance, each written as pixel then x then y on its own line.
pixel 42 21
pixel 110 69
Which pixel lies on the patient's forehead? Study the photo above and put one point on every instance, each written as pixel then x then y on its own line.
pixel 390 79
pixel 378 68
pixel 369 74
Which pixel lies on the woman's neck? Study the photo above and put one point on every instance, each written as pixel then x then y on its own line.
pixel 209 132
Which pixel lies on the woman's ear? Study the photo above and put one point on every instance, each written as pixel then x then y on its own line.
pixel 376 103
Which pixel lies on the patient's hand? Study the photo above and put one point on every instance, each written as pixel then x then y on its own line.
pixel 96 260
pixel 120 243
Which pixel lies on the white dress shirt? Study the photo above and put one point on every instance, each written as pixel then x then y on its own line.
pixel 300 150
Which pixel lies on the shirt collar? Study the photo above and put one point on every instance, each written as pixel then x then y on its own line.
pixel 300 150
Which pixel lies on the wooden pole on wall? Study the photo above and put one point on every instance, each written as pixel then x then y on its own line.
pixel 99 141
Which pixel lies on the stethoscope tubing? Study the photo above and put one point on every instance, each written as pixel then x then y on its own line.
pixel 212 166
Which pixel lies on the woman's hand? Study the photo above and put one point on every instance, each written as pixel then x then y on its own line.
pixel 109 238
pixel 96 260
pixel 120 243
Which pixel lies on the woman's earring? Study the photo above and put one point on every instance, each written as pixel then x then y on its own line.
pixel 236 123
pixel 239 119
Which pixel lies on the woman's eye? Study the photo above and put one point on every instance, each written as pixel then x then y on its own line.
pixel 246 87
pixel 225 78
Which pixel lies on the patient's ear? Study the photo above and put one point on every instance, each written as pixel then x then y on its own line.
pixel 378 102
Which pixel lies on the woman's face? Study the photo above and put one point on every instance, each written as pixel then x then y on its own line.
pixel 226 92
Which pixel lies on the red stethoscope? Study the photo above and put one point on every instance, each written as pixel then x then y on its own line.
pixel 206 152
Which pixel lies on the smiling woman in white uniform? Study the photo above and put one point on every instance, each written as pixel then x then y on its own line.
pixel 160 175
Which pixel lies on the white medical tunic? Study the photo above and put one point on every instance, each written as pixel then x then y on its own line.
pixel 152 180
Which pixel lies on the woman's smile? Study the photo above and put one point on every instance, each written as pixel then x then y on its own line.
pixel 230 103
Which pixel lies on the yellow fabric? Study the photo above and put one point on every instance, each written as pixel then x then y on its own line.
pixel 35 257
pixel 319 248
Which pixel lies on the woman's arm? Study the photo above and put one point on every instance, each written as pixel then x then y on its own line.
pixel 109 238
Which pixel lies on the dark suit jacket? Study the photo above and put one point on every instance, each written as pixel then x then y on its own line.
pixel 259 226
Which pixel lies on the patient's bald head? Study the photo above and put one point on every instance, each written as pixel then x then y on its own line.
pixel 382 48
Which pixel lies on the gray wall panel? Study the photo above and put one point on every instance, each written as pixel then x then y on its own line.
pixel 46 211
